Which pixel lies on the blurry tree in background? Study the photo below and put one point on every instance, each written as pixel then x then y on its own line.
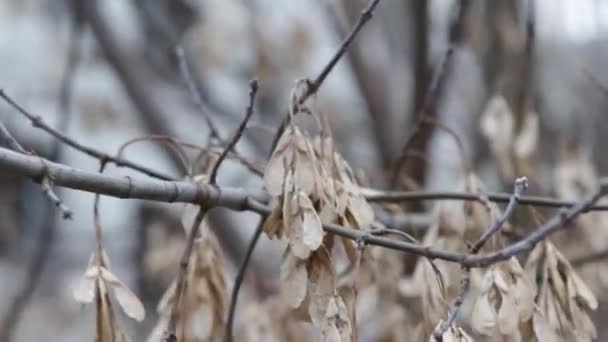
pixel 416 170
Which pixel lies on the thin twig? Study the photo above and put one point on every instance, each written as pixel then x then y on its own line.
pixel 195 92
pixel 589 258
pixel 45 183
pixel 168 141
pixel 238 281
pixel 133 76
pixel 520 185
pixel 389 231
pixel 253 90
pixel 101 156
pixel 430 99
pixel 373 195
pixel 465 282
pixel 49 193
pixel 313 86
pixel 250 165
pixel 180 283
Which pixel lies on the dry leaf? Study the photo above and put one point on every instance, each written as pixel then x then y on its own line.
pixel 302 225
pixel 294 279
pixel 563 298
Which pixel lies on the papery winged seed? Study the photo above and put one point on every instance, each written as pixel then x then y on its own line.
pixel 321 288
pixel 311 224
pixel 555 314
pixel 500 280
pixel 524 297
pixel 483 319
pixel 336 325
pixel 166 301
pixel 583 292
pixel 127 299
pixel 557 283
pixel 84 291
pixel 294 151
pixel 201 323
pixel 305 231
pixel 294 279
pixel 579 288
pixel 542 329
pixel 361 211
pixel 527 141
pixel 508 317
pixel 275 169
pixel 497 125
pixel 306 168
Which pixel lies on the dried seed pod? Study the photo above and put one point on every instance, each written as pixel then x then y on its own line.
pixel 505 299
pixel 96 285
pixel 205 298
pixel 563 299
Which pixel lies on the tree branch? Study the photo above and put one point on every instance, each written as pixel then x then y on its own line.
pixel 180 283
pixel 253 90
pixel 45 184
pixel 101 156
pixel 520 185
pixel 241 200
pixel 240 277
pixel 313 86
pixel 195 92
pixel 373 195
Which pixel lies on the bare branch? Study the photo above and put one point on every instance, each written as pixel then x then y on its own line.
pixel 124 187
pixel 313 86
pixel 180 283
pixel 428 103
pixel 195 92
pixel 101 156
pixel 589 258
pixel 465 282
pixel 45 184
pixel 374 195
pixel 241 200
pixel 240 277
pixel 520 185
pixel 253 90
